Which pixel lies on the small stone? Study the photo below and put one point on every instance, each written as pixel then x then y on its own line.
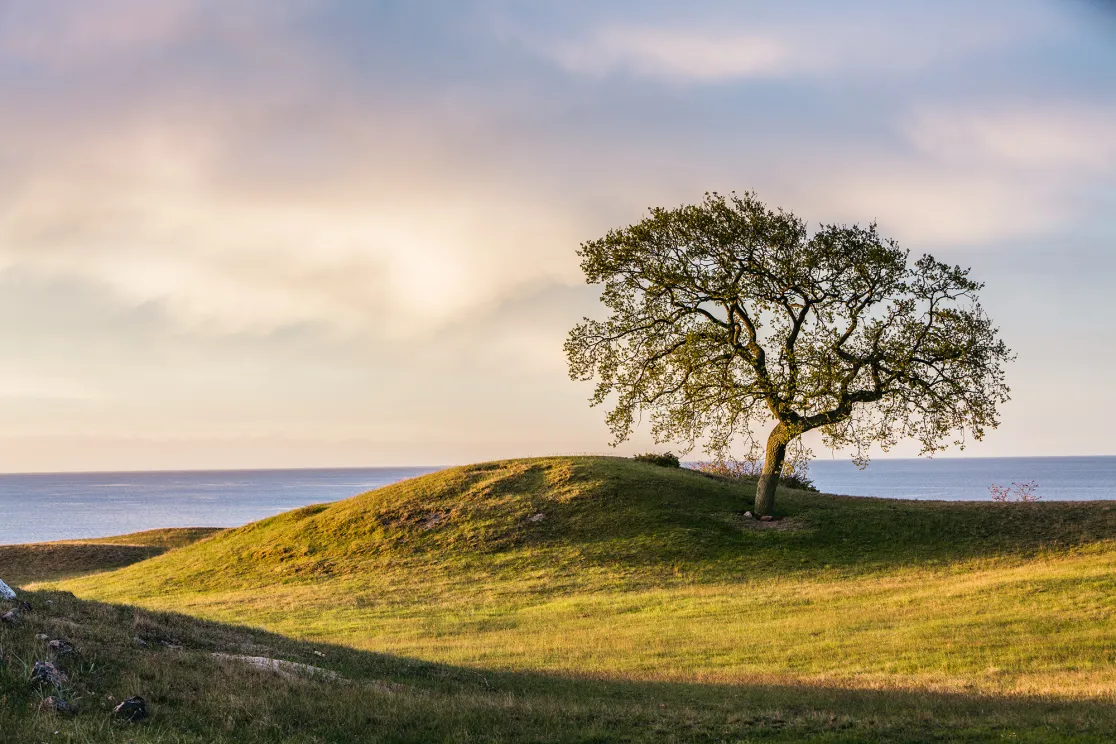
pixel 767 518
pixel 536 517
pixel 41 637
pixel 6 592
pixel 11 617
pixel 45 671
pixel 54 704
pixel 747 515
pixel 132 709
pixel 60 647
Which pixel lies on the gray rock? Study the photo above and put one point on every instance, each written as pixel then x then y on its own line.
pixel 747 515
pixel 767 518
pixel 132 709
pixel 60 647
pixel 6 592
pixel 536 517
pixel 55 704
pixel 46 672
pixel 282 667
pixel 11 617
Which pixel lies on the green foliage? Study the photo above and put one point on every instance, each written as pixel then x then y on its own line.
pixel 797 481
pixel 665 460
pixel 726 315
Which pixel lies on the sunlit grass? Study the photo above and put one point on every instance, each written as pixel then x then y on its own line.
pixel 637 572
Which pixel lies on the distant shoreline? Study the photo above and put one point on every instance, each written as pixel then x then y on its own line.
pixel 432 468
pixel 44 507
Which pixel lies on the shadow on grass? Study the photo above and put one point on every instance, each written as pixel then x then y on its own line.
pixel 194 696
pixel 22 564
pixel 655 517
pixel 51 561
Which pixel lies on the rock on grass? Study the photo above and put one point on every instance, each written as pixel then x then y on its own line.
pixel 132 709
pixel 54 704
pixel 48 673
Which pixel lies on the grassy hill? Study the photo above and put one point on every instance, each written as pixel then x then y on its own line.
pixel 68 558
pixel 616 580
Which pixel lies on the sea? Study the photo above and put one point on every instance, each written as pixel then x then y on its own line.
pixel 69 506
pixel 968 478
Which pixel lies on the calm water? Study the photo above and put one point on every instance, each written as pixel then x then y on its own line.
pixel 65 506
pixel 957 479
pixel 73 505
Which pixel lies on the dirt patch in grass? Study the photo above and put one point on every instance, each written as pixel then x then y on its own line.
pixel 780 524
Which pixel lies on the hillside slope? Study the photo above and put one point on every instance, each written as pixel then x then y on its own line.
pixel 608 567
pixel 61 559
pixel 199 689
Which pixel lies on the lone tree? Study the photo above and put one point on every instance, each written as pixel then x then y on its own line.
pixel 727 315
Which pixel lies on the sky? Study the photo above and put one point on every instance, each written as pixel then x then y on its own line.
pixel 295 233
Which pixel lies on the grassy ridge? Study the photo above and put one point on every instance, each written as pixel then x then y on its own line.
pixel 608 519
pixel 644 573
pixel 51 561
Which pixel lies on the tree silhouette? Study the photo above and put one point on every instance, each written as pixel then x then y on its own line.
pixel 727 315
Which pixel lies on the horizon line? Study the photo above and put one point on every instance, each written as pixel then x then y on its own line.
pixel 499 459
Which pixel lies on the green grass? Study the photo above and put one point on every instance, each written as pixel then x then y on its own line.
pixel 50 561
pixel 641 586
pixel 197 698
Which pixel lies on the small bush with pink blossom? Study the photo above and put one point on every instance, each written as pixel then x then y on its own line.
pixel 1016 493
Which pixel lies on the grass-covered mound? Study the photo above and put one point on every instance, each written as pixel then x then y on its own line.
pixel 594 523
pixel 68 558
pixel 610 569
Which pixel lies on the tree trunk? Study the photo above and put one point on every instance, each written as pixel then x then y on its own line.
pixel 772 468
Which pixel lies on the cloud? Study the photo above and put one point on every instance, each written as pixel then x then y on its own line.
pixel 298 187
pixel 672 55
pixel 238 206
pixel 62 34
pixel 734 43
pixel 227 262
pixel 986 171
pixel 1067 137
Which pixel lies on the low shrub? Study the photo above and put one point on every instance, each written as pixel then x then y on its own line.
pixel 729 468
pixel 794 473
pixel 797 480
pixel 1021 493
pixel 665 460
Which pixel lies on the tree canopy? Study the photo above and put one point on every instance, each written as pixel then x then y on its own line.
pixel 726 316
